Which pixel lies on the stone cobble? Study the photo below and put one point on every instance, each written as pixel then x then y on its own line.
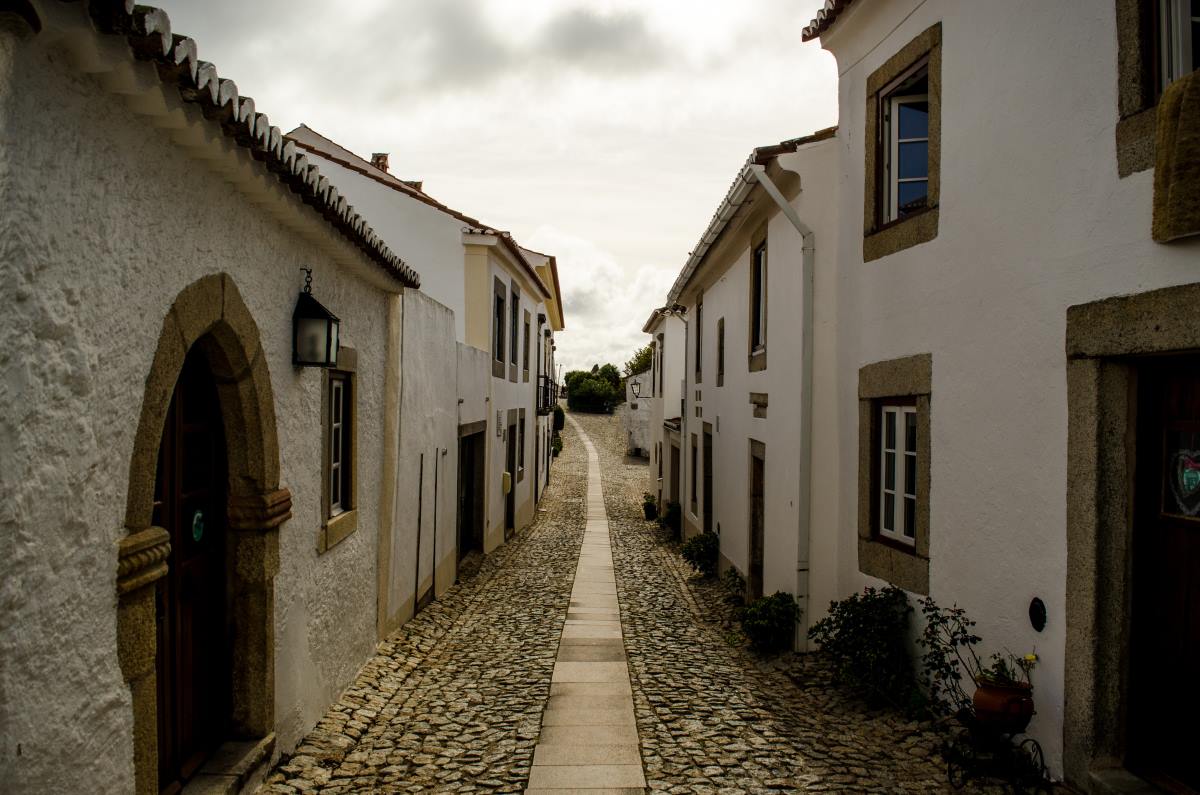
pixel 452 701
pixel 713 717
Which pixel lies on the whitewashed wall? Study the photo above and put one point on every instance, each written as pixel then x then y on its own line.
pixel 428 239
pixel 1033 219
pixel 635 416
pixel 426 490
pixel 105 222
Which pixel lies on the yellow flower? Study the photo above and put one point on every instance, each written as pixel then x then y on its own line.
pixel 1031 658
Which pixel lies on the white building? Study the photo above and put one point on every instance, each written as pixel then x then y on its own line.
pixel 747 291
pixel 1032 336
pixel 191 519
pixel 505 304
pixel 665 402
pixel 636 414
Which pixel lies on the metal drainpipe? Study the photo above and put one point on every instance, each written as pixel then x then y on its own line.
pixel 804 509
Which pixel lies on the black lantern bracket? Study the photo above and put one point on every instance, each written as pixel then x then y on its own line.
pixel 315 330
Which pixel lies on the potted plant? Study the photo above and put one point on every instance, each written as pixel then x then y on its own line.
pixel 1003 697
pixel 649 506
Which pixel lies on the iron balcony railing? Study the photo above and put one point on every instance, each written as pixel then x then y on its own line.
pixel 547 394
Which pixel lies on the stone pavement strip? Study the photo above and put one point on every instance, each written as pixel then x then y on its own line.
pixel 589 739
pixel 585 650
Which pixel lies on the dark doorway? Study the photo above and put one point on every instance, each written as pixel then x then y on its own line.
pixel 708 478
pixel 470 493
pixel 537 466
pixel 192 631
pixel 674 473
pixel 757 516
pixel 1165 633
pixel 510 499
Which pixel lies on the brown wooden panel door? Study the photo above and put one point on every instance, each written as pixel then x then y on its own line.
pixel 1164 701
pixel 708 478
pixel 757 520
pixel 193 662
pixel 510 500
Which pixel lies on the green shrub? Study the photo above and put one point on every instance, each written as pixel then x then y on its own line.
pixel 866 637
pixel 671 518
pixel 592 394
pixel 556 443
pixel 701 552
pixel 560 418
pixel 735 584
pixel 770 622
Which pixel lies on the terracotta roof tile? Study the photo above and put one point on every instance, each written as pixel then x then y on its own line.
pixel 824 19
pixel 147 30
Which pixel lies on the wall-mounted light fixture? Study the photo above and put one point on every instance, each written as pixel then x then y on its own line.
pixel 314 330
pixel 636 386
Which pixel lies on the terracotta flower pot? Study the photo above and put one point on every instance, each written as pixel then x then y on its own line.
pixel 1004 708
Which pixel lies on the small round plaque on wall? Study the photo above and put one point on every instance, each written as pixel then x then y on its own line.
pixel 1037 614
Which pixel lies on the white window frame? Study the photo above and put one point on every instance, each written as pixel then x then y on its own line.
pixel 338 428
pixel 892 124
pixel 758 274
pixel 1175 39
pixel 902 489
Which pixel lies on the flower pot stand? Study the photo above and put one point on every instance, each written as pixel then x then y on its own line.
pixel 977 751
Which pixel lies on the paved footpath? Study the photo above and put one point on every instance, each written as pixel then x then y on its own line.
pixel 589 738
pixel 584 654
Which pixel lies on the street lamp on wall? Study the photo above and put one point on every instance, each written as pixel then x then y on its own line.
pixel 636 386
pixel 314 330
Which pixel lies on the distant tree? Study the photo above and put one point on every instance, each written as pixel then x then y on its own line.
pixel 612 375
pixel 592 394
pixel 641 360
pixel 573 377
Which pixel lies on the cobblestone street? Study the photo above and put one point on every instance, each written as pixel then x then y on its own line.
pixel 453 702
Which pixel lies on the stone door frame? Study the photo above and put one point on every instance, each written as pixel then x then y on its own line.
pixel 210 314
pixel 1105 343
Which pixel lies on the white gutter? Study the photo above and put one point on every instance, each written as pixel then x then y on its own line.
pixel 804 507
pixel 734 198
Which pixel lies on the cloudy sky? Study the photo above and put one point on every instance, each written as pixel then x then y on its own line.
pixel 604 132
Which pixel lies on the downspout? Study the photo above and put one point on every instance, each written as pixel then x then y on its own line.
pixel 804 508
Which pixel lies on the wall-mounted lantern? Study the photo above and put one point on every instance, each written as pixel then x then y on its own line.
pixel 314 330
pixel 636 386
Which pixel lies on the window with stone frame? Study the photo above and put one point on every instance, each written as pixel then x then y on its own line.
pixel 514 325
pixel 499 303
pixel 894 465
pixel 721 352
pixel 339 451
pixel 903 159
pixel 1156 45
pixel 700 340
pixel 525 350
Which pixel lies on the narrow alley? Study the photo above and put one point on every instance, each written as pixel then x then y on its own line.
pixel 454 701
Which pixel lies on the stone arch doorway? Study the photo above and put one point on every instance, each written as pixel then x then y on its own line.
pixel 208 327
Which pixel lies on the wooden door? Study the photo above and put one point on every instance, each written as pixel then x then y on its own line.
pixel 1165 635
pixel 757 512
pixel 192 656
pixel 674 473
pixel 510 499
pixel 708 479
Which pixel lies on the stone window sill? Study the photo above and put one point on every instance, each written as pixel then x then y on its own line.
pixel 895 563
pixel 898 235
pixel 337 530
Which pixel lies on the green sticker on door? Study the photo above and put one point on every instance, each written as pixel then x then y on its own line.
pixel 197 525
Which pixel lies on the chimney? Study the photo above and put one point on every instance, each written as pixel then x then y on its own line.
pixel 380 160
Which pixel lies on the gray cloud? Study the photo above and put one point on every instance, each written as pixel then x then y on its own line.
pixel 618 43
